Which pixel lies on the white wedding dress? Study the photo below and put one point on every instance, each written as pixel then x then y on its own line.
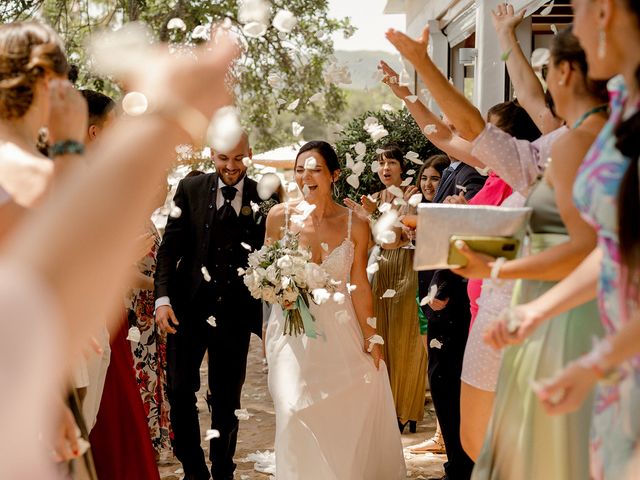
pixel 335 416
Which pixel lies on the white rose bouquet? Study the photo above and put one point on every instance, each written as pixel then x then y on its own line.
pixel 283 273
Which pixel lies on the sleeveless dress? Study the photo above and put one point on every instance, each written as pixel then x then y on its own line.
pixel 616 416
pixel 335 417
pixel 522 441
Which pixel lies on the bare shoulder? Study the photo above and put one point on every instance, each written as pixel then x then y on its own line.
pixel 276 212
pixel 359 227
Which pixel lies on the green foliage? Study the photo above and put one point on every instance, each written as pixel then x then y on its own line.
pixel 403 131
pixel 298 58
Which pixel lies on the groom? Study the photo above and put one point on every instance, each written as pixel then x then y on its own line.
pixel 204 306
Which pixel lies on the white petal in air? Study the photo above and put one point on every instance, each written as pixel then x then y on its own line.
pixel 242 414
pixel 372 322
pixel 135 103
pixel 293 105
pixel 462 188
pixel 176 24
pixel 415 199
pixel 246 246
pixel 373 268
pixel 310 163
pixel 316 97
pixel 435 343
pixel 268 185
pixel 411 98
pixel 202 32
pixel 254 11
pixel 360 148
pixel 430 129
pixel 284 21
pixel 212 321
pixel 387 108
pixel 547 10
pixel 411 172
pixel 389 293
pixel 404 78
pixel 211 434
pixel 296 129
pixel 406 182
pixel 338 297
pixel 395 191
pixel 375 339
pixel 134 335
pixel 205 274
pixel 320 295
pixel 254 29
pixel 433 290
pixel 375 166
pixel 225 130
pixel 324 246
pixel 353 180
pixel 342 316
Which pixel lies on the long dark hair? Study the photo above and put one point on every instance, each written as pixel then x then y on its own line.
pixel 627 135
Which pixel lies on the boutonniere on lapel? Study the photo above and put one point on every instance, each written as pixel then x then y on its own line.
pixel 261 210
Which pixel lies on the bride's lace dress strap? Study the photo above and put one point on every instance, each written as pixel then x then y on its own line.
pixel 349 225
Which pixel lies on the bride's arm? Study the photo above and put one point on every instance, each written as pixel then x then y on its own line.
pixel 361 297
pixel 275 222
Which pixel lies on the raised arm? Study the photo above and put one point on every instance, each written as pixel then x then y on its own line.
pixel 525 82
pixel 430 124
pixel 466 118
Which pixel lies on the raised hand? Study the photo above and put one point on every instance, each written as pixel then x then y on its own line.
pixel 505 20
pixel 69 115
pixel 390 79
pixel 357 208
pixel 413 50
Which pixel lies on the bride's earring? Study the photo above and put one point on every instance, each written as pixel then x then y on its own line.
pixel 602 44
pixel 335 189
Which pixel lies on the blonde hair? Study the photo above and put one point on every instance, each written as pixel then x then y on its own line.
pixel 27 51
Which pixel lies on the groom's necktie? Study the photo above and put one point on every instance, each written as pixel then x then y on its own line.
pixel 226 211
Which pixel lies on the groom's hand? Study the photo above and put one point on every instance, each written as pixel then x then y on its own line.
pixel 165 317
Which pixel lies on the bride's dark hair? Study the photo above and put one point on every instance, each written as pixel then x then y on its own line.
pixel 325 149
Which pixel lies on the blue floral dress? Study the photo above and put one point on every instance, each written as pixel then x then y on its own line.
pixel 616 419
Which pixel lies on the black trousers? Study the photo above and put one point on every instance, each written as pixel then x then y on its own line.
pixel 228 345
pixel 451 329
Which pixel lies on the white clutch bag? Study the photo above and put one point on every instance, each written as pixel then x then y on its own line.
pixel 437 223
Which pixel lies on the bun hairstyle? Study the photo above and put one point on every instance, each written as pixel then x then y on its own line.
pixel 566 48
pixel 27 51
pixel 325 150
pixel 629 195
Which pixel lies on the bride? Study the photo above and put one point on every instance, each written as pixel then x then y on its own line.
pixel 335 416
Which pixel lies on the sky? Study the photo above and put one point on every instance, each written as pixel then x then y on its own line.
pixel 371 23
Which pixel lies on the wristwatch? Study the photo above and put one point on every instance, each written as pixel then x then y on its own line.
pixel 65 147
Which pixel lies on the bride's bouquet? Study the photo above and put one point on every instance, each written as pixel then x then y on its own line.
pixel 283 273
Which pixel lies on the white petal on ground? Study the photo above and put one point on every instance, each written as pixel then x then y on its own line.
pixel 373 268
pixel 353 180
pixel 212 321
pixel 389 293
pixel 430 129
pixel 284 21
pixel 134 335
pixel 296 129
pixel 135 103
pixel 293 105
pixel 415 199
pixel 372 322
pixel 205 274
pixel 254 29
pixel 211 434
pixel 176 24
pixel 435 343
pixel 225 130
pixel 268 185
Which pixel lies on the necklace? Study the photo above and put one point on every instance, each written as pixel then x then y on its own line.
pixel 587 114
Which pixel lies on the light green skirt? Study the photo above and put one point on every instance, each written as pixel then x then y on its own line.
pixel 522 441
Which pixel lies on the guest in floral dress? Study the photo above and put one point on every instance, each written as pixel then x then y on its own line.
pixel 150 352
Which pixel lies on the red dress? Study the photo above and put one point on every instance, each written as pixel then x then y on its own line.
pixel 494 192
pixel 120 440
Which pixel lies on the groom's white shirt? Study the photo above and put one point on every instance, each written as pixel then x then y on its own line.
pixel 236 203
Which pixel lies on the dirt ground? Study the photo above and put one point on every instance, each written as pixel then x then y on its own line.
pixel 257 433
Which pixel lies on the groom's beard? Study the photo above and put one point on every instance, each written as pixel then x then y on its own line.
pixel 240 178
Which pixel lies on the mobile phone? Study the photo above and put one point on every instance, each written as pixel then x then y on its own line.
pixel 506 247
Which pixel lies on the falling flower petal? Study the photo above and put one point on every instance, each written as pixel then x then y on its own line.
pixel 353 180
pixel 268 185
pixel 339 297
pixel 435 343
pixel 225 130
pixel 202 32
pixel 411 98
pixel 372 322
pixel 415 199
pixel 373 268
pixel 360 148
pixel 176 24
pixel 135 103
pixel 411 172
pixel 395 191
pixel 175 211
pixel 375 166
pixel 293 105
pixel 305 190
pixel 389 293
pixel 324 246
pixel 254 29
pixel 296 129
pixel 411 155
pixel 242 414
pixel 284 21
pixel 211 434
pixel 337 74
pixel 406 182
pixel 433 290
pixel 430 129
pixel 385 207
pixel 375 339
pixel 351 288
pixel 205 274
pixel 246 246
pixel 383 229
pixel 275 81
pixel 358 168
pixel 316 97
pixel 387 108
pixel 342 316
pixel 554 29
pixel 134 334
pixel 212 321
pixel 399 201
pixel 462 188
pixel 404 79
pixel 310 163
pixel 547 10
pixel 254 11
pixel 483 171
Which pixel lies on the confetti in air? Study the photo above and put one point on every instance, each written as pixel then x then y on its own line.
pixel 176 24
pixel 211 434
pixel 547 10
pixel 293 105
pixel 415 199
pixel 205 274
pixel 435 343
pixel 296 129
pixel 372 322
pixel 242 414
pixel 212 321
pixel 433 290
pixel 284 21
pixel 373 268
pixel 430 129
pixel 389 293
pixel 134 335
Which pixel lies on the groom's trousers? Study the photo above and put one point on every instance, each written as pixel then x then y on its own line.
pixel 227 344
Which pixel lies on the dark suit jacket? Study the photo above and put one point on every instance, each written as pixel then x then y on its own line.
pixel 186 244
pixel 449 284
